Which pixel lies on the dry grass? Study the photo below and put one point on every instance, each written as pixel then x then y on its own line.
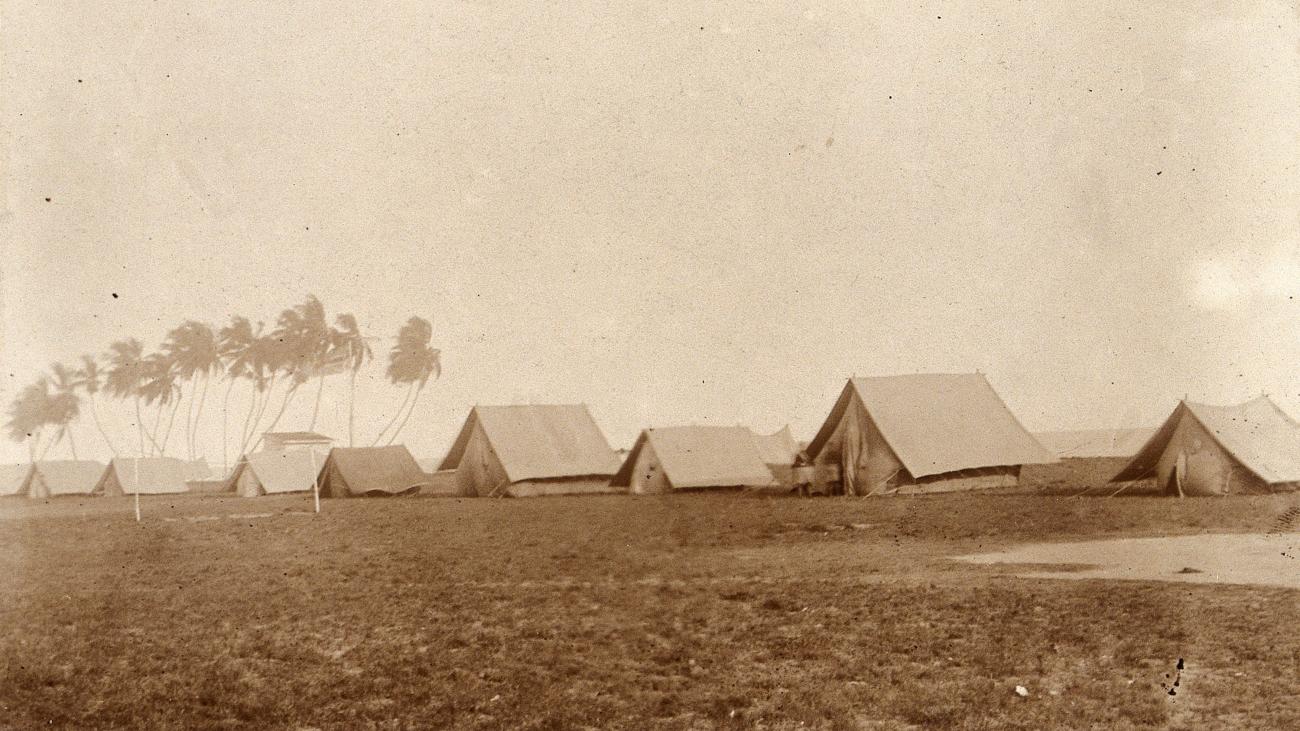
pixel 700 611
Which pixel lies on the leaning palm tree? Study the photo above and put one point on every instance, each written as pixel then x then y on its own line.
pixel 159 387
pixel 304 335
pixel 192 349
pixel 413 362
pixel 28 415
pixel 356 351
pixel 266 364
pixel 235 351
pixel 90 380
pixel 64 405
pixel 126 375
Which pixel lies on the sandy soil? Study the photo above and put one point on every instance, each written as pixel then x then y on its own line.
pixel 1259 559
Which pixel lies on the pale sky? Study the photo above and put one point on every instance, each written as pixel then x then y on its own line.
pixel 677 215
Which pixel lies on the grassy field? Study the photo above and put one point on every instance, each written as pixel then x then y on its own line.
pixel 682 612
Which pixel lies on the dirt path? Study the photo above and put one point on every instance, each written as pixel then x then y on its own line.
pixel 1261 559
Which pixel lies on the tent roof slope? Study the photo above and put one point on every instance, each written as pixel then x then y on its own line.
pixel 389 469
pixel 701 456
pixel 289 470
pixel 70 477
pixel 1258 434
pixel 1095 442
pixel 778 448
pixel 536 442
pixel 13 478
pixel 158 475
pixel 939 422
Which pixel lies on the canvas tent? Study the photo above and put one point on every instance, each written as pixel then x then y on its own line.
pixel 276 472
pixel 531 450
pixel 370 471
pixel 145 475
pixel 13 479
pixel 1201 449
pixel 779 448
pixel 442 483
pixel 918 434
pixel 780 452
pixel 693 457
pixel 197 470
pixel 62 477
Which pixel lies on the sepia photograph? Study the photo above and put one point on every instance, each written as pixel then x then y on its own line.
pixel 465 364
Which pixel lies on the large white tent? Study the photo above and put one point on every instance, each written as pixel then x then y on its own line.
pixel 526 450
pixel 920 433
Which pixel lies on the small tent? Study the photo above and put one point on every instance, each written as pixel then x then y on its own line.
pixel 1201 449
pixel 13 479
pixel 918 434
pixel 276 472
pixel 145 475
pixel 370 471
pixel 693 457
pixel 63 477
pixel 531 450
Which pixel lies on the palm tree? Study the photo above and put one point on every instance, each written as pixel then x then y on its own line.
pixel 64 405
pixel 350 342
pixel 89 380
pixel 235 349
pixel 160 386
pixel 28 415
pixel 413 362
pixel 126 375
pixel 267 363
pixel 305 336
pixel 192 349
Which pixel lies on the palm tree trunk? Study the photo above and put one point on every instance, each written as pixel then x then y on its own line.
pixel 45 448
pixel 409 411
pixel 315 409
pixel 257 422
pixel 94 413
pixel 139 423
pixel 396 414
pixel 189 419
pixel 248 421
pixel 156 434
pixel 194 433
pixel 171 419
pixel 352 403
pixel 72 442
pixel 225 420
pixel 284 405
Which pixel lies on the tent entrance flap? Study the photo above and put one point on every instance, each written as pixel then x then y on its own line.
pixel 850 452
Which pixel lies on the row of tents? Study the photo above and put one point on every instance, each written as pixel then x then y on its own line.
pixel 909 434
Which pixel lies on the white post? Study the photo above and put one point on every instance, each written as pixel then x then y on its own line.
pixel 137 490
pixel 315 485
